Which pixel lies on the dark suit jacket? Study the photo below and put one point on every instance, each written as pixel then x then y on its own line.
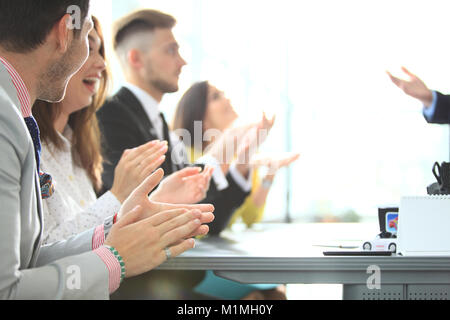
pixel 442 113
pixel 125 124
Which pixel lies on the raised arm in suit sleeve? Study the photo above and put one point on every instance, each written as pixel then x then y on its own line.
pixel 439 111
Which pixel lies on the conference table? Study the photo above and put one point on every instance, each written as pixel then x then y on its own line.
pixel 293 254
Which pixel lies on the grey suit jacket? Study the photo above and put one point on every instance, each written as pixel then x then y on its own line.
pixel 64 270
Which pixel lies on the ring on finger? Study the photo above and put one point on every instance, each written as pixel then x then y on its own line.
pixel 168 253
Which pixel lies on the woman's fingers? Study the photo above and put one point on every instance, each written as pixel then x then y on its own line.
pixel 190 172
pixel 137 155
pixel 139 150
pixel 151 157
pixel 193 181
pixel 281 163
pixel 153 166
pixel 293 159
pixel 142 158
pixel 198 193
pixel 207 173
pixel 150 183
pixel 195 197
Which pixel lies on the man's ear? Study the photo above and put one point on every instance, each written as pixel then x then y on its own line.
pixel 134 58
pixel 63 33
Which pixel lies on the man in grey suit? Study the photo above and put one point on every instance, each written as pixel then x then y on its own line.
pixel 42 44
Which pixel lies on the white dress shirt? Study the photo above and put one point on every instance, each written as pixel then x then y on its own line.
pixel 151 107
pixel 74 207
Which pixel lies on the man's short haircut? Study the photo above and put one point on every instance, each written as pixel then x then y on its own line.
pixel 25 24
pixel 140 21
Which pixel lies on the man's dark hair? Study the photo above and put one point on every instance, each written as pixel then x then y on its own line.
pixel 25 24
pixel 139 21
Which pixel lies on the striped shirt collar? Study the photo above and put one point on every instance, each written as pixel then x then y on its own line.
pixel 22 91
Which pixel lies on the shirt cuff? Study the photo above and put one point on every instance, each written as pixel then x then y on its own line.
pixel 429 112
pixel 219 178
pixel 245 184
pixel 105 206
pixel 98 238
pixel 113 266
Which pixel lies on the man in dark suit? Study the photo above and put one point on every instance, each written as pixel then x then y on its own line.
pixel 149 56
pixel 436 105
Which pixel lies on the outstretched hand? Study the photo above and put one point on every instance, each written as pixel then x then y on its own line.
pixel 275 163
pixel 413 87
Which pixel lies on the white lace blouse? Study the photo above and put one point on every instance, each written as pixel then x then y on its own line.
pixel 74 207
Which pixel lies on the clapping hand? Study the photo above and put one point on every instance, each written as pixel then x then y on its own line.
pixel 135 166
pixel 253 138
pixel 189 186
pixel 139 197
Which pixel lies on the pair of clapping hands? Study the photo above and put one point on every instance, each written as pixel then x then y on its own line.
pixel 146 229
pixel 241 144
pixel 148 226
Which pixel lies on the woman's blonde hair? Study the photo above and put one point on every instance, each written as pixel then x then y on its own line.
pixel 86 148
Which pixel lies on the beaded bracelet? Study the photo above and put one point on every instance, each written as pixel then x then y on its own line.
pixel 120 259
